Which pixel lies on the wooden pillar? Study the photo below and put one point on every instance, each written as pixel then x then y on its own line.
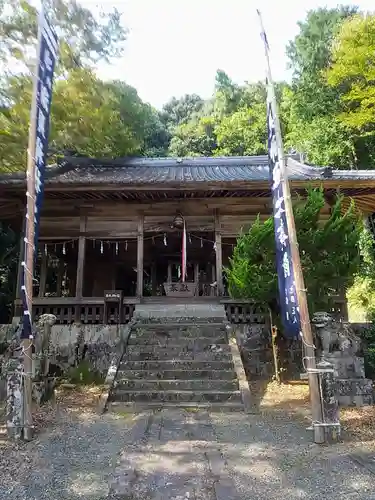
pixel 81 258
pixel 196 272
pixel 219 255
pixel 43 275
pixel 153 279
pixel 140 252
pixel 169 279
pixel 20 267
pixel 60 277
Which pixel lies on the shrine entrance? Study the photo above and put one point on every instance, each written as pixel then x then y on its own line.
pixel 162 273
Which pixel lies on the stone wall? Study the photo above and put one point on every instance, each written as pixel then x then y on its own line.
pixel 71 343
pixel 255 344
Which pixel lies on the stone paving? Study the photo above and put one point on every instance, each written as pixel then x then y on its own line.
pixel 175 454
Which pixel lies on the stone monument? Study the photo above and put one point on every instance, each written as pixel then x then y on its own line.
pixel 338 345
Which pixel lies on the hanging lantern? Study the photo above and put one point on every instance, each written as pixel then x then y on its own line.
pixel 201 243
pixel 126 246
pixel 116 248
pixel 178 221
pixel 165 239
pixel 215 247
pixel 64 249
pixel 101 247
pixel 45 250
pixel 189 239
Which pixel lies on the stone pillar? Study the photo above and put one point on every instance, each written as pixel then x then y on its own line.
pixel 42 343
pixel 331 413
pixel 140 251
pixel 14 406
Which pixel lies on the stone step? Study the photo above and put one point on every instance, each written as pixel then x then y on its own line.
pixel 171 364
pixel 180 329
pixel 131 407
pixel 175 384
pixel 208 396
pixel 177 374
pixel 139 354
pixel 175 341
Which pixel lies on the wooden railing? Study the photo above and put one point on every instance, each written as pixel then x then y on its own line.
pixel 87 310
pixel 245 311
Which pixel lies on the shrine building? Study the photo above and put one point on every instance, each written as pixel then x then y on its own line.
pixel 111 230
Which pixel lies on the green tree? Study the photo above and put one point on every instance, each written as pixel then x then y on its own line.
pixel 352 73
pixel 310 51
pixel 88 115
pixel 83 37
pixel 8 271
pixel 233 122
pixel 244 132
pixel 227 94
pixel 313 104
pixel 329 253
pixel 180 111
pixel 195 138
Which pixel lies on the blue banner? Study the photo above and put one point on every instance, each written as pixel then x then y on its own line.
pixel 48 50
pixel 287 288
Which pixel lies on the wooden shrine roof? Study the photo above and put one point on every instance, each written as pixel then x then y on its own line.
pixel 78 171
pixel 141 180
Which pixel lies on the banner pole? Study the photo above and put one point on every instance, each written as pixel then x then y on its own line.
pixel 306 332
pixel 27 343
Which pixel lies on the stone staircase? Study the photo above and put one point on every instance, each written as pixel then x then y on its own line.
pixel 177 364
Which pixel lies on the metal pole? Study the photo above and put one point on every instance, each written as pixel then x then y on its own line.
pixel 307 336
pixel 30 250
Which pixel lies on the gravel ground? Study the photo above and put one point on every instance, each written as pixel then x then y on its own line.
pixel 272 456
pixel 71 461
pixel 78 454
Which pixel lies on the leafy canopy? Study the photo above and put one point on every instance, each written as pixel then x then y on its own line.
pixel 84 39
pixel 353 72
pixel 329 251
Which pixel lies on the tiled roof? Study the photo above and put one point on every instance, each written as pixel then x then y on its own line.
pixel 135 171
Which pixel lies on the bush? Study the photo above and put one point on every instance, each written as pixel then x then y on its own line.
pixel 329 251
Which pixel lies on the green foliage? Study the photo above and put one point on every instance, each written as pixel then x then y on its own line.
pixel 329 252
pixel 84 374
pixel 310 51
pixel 330 107
pixel 233 122
pixel 179 111
pixel 353 72
pixel 83 38
pixel 8 271
pixel 361 296
pixel 195 138
pixel 324 140
pixel 88 115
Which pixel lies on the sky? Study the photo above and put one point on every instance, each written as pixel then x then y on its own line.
pixel 174 47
